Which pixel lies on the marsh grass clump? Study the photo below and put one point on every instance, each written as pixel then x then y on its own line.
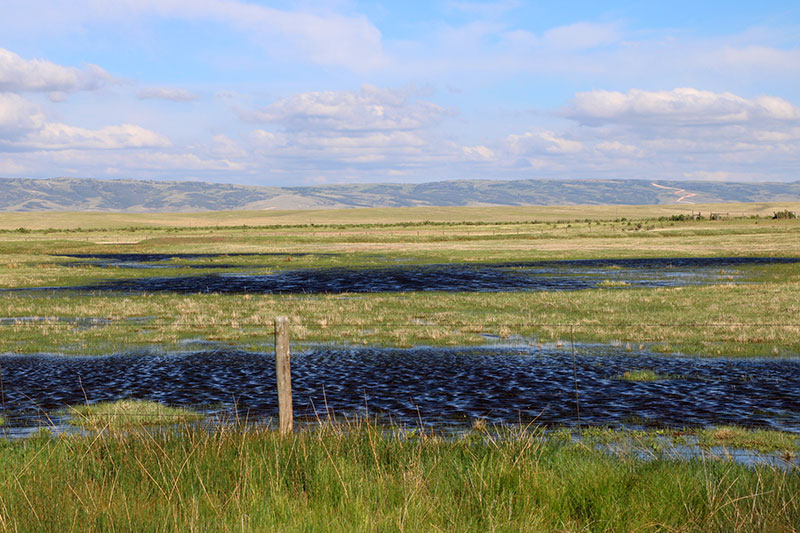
pixel 129 414
pixel 613 283
pixel 764 440
pixel 643 375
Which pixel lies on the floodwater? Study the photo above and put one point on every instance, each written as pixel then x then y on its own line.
pixel 163 261
pixel 438 387
pixel 470 277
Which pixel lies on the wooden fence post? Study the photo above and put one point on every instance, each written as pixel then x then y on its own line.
pixel 283 373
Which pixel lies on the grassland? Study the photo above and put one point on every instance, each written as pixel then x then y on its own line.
pixel 103 221
pixel 363 478
pixel 759 317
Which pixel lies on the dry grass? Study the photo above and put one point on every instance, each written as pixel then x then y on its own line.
pixel 91 220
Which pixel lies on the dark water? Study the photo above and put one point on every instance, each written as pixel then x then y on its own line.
pixel 152 258
pixel 483 277
pixel 437 387
pixel 160 261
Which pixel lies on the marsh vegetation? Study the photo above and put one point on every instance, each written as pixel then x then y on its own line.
pixel 372 477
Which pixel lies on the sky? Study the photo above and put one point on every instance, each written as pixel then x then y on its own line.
pixel 338 91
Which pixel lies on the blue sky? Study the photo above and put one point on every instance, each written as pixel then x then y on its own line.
pixel 314 92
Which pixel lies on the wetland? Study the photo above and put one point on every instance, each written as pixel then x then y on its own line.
pixel 435 387
pixel 405 325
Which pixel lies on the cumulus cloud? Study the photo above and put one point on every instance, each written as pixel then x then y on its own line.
pixel 542 142
pixel 478 153
pixel 23 126
pixel 686 106
pixel 39 75
pixel 369 109
pixel 57 136
pixel 371 126
pixel 166 93
pixel 18 116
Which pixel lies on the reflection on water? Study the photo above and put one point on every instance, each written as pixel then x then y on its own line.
pixel 433 386
pixel 471 277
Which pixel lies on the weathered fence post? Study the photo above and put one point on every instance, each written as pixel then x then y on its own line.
pixel 283 372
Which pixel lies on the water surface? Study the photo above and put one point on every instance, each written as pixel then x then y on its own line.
pixel 432 386
pixel 456 277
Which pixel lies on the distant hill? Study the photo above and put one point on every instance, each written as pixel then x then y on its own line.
pixel 75 194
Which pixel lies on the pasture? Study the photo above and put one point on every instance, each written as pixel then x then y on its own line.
pixel 58 275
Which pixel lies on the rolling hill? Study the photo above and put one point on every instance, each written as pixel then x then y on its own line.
pixel 135 196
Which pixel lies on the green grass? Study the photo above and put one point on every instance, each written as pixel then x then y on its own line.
pixel 361 477
pixel 128 414
pixel 662 441
pixel 720 320
pixel 364 478
pixel 642 375
pixel 729 318
pixel 764 440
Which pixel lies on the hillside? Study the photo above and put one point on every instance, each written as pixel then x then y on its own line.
pixel 75 194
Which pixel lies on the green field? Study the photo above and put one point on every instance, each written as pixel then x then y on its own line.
pixel 360 477
pixel 755 317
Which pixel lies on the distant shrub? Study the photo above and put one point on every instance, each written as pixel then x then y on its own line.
pixel 785 214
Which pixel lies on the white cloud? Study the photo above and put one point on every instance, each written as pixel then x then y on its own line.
pixel 478 153
pixel 267 140
pixel 369 109
pixel 323 38
pixel 616 147
pixel 224 146
pixel 29 75
pixel 542 142
pixel 166 93
pixel 56 136
pixel 23 126
pixel 378 129
pixel 18 116
pixel 682 106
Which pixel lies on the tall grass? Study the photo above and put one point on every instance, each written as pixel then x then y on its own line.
pixel 366 478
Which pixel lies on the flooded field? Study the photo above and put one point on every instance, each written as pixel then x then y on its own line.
pixel 165 261
pixel 464 277
pixel 430 386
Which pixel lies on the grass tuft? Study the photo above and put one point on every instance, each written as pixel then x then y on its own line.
pixel 764 440
pixel 643 375
pixel 128 414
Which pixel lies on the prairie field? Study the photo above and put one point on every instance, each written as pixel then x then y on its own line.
pixel 58 273
pixel 752 311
